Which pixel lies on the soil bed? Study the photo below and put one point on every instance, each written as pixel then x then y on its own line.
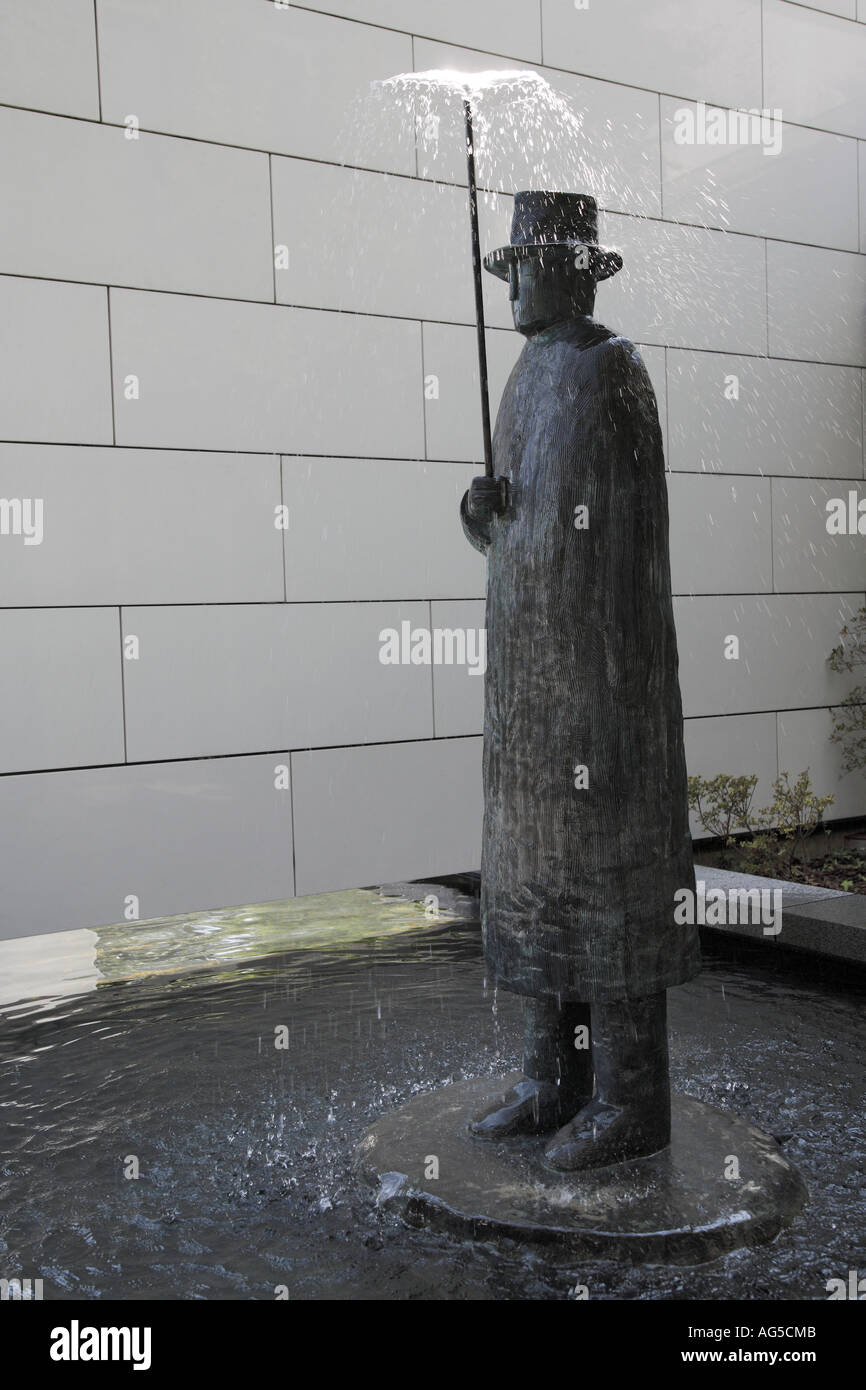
pixel 843 871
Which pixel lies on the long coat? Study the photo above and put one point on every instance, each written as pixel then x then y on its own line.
pixel 579 868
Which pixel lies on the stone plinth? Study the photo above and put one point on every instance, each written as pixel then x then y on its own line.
pixel 676 1207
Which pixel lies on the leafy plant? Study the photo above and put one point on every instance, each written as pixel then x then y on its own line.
pixel 778 831
pixel 723 805
pixel 849 718
pixel 762 855
pixel 795 812
pixel 793 815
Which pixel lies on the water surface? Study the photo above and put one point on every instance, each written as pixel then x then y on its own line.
pixel 245 1151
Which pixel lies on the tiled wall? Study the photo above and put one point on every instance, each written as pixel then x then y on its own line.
pixel 164 386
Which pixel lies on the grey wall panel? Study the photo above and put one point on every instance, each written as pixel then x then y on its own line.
pixel 377 529
pixel 253 75
pixel 516 28
pixel 813 68
pixel 734 414
pixel 784 641
pixel 159 213
pixel 231 678
pixel 816 301
pixel 687 48
pixel 48 56
pixel 55 380
pixel 176 836
pixel 143 526
pixel 458 683
pixel 684 286
pixel 792 182
pixel 60 687
pixel 211 374
pixel 809 558
pixel 720 535
pixel 367 815
pixel 736 746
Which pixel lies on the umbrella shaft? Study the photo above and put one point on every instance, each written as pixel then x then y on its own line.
pixel 479 295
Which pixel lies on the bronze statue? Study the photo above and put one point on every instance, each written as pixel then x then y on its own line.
pixel 586 835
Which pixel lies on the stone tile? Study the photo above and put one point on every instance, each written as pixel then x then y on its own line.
pixel 795 894
pixel 737 745
pixel 289 81
pixel 816 301
pixel 720 535
pixel 218 375
pixel 846 8
pixel 366 815
pixel 377 529
pixel 682 47
pixel 515 28
pixel 835 927
pixel 142 526
pixel 756 415
pixel 178 836
pixel 784 640
pixel 806 559
pixel 804 742
pixel 60 688
pixel 813 68
pixel 684 286
pixel 245 678
pixel 48 56
pixel 55 381
pixel 371 243
pixel 453 416
pixel 805 192
pixel 458 689
pixel 153 212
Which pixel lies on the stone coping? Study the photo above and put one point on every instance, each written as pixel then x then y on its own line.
pixel 823 921
pixel 68 963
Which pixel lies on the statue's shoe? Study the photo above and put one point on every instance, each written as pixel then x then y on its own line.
pixel 530 1107
pixel 602 1134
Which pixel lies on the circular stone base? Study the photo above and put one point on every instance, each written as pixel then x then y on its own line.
pixel 676 1207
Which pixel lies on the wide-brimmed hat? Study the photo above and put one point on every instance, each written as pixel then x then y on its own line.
pixel 562 222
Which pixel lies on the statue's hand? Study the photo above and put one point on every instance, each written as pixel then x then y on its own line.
pixel 488 497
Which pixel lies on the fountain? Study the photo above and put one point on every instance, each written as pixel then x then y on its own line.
pixel 183 1102
pixel 586 845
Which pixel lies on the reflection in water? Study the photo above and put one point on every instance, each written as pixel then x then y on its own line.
pixel 36 970
pixel 245 1149
pixel 42 969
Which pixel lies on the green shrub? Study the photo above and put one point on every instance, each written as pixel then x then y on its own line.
pixel 723 805
pixel 777 833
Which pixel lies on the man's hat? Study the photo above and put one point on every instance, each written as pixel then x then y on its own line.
pixel 564 222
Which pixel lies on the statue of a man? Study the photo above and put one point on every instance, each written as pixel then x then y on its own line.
pixel 586 834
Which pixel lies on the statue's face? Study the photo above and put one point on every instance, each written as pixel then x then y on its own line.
pixel 545 290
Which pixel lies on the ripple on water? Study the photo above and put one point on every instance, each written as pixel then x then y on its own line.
pixel 245 1150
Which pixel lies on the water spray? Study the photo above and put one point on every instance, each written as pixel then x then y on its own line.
pixel 534 107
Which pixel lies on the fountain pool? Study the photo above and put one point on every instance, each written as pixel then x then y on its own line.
pixel 247 1183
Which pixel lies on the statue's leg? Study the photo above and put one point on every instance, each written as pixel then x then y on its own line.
pixel 630 1116
pixel 557 1077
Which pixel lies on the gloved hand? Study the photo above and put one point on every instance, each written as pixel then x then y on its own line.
pixel 488 497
